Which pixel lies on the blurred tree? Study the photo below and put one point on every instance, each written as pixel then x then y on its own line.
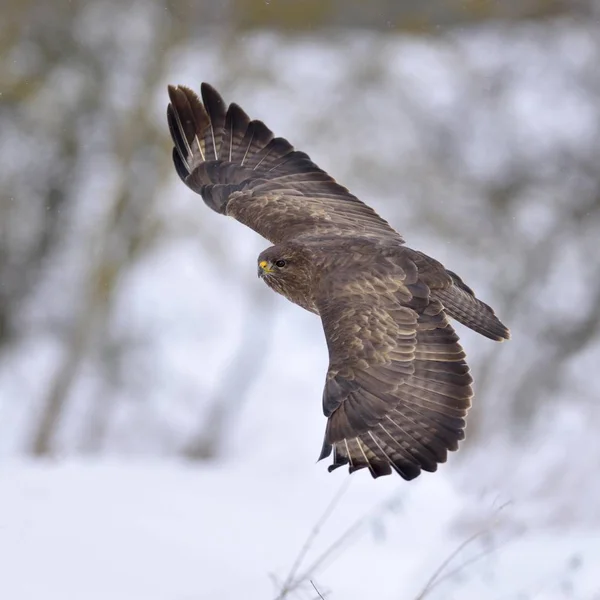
pixel 465 165
pixel 62 59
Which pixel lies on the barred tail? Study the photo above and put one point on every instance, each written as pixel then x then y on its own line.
pixel 461 304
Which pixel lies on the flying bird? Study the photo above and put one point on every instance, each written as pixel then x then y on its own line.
pixel 398 388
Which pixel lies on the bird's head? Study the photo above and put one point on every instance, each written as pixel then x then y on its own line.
pixel 288 269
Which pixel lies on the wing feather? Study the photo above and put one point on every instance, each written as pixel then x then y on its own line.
pixel 398 388
pixel 241 169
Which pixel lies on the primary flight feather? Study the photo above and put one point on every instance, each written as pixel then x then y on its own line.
pixel 397 389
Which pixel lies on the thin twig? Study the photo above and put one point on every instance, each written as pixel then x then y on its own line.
pixel 462 566
pixel 360 522
pixel 320 561
pixel 316 590
pixel 289 584
pixel 436 577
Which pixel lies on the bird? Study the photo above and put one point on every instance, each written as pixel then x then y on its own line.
pixel 397 387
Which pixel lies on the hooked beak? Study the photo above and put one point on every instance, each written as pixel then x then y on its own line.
pixel 263 268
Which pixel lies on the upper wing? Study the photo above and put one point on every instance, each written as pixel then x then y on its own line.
pixel 242 170
pixel 398 388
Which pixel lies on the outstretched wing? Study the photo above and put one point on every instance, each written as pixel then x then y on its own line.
pixel 242 170
pixel 398 388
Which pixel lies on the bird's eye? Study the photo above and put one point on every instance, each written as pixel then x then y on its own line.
pixel 280 263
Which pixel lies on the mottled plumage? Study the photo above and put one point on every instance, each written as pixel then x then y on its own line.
pixel 398 388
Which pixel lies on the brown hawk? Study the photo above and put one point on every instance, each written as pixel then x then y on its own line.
pixel 397 389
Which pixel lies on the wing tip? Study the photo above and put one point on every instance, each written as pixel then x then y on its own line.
pixel 177 90
pixel 377 466
pixel 209 90
pixel 420 441
pixel 213 103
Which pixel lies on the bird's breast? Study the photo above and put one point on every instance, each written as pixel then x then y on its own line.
pixel 296 294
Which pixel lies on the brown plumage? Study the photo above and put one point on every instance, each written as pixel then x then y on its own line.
pixel 398 388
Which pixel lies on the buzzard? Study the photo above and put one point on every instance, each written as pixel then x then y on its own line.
pixel 397 389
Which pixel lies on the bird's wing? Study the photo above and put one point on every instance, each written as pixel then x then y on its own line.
pixel 242 170
pixel 398 388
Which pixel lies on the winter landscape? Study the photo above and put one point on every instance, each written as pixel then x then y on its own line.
pixel 160 408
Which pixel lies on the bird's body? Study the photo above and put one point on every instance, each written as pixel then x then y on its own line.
pixel 398 388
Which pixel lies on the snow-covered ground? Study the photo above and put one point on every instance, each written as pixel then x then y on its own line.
pixel 170 531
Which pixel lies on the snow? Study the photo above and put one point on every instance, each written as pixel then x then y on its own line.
pixel 167 530
pixel 137 524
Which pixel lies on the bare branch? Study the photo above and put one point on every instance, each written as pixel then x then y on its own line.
pixel 314 532
pixel 316 590
pixel 437 577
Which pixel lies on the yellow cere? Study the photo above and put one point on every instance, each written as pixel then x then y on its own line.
pixel 264 265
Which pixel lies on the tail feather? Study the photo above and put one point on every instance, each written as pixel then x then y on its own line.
pixel 461 304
